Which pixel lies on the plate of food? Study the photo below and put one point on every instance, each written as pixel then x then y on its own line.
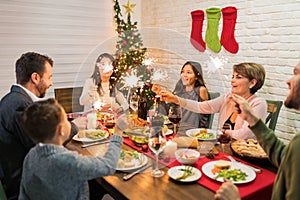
pixel 202 134
pixel 184 173
pixel 91 135
pixel 233 171
pixel 131 160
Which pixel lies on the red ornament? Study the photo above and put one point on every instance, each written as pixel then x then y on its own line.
pixel 135 61
pixel 124 43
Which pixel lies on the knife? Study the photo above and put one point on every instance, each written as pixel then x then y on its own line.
pixel 129 176
pixel 94 143
pixel 253 168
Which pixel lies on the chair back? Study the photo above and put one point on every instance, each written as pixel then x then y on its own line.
pixel 273 113
pixel 212 95
pixel 69 98
pixel 2 193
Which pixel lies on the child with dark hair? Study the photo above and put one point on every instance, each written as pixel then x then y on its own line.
pixel 50 171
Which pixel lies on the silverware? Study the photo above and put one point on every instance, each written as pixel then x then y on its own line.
pixel 129 176
pixel 94 143
pixel 254 168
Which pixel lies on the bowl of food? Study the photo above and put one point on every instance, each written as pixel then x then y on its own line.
pixel 139 140
pixel 187 156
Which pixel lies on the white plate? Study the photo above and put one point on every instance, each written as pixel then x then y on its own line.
pixel 192 132
pixel 84 139
pixel 136 162
pixel 207 167
pixel 176 171
pixel 169 132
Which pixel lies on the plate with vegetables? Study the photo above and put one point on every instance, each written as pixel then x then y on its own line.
pixel 91 135
pixel 131 160
pixel 233 171
pixel 184 173
pixel 202 134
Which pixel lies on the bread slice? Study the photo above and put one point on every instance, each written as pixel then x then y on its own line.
pixel 223 164
pixel 186 142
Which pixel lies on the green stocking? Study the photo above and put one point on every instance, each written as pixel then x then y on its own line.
pixel 211 37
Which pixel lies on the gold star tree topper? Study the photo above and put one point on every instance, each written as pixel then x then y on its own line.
pixel 129 7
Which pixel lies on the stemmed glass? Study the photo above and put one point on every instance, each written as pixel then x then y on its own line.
pixel 224 138
pixel 134 102
pixel 175 115
pixel 157 143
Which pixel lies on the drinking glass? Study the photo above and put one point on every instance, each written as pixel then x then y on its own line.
pixel 175 115
pixel 134 102
pixel 157 143
pixel 224 138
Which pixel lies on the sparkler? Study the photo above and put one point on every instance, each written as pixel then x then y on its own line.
pixel 215 63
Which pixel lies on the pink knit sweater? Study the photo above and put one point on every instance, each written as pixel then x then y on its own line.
pixel 224 107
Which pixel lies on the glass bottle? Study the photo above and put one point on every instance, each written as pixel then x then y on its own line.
pixel 142 108
pixel 158 118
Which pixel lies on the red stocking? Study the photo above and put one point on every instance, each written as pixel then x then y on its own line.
pixel 196 33
pixel 227 38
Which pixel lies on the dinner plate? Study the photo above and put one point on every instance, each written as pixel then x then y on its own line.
pixel 85 139
pixel 176 172
pixel 193 132
pixel 138 163
pixel 207 167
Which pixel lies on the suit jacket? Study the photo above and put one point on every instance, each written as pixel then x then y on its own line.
pixel 14 142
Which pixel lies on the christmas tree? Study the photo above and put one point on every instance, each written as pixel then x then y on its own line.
pixel 130 53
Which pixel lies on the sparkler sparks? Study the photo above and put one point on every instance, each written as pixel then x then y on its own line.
pixel 215 63
pixel 159 75
pixel 131 80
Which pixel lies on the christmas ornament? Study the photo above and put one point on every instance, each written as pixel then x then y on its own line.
pixel 228 41
pixel 211 37
pixel 196 32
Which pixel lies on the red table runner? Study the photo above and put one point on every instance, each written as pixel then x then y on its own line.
pixel 259 188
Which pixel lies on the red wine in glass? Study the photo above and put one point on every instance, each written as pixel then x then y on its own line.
pixel 175 120
pixel 224 138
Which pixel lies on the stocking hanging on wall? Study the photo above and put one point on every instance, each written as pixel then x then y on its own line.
pixel 196 32
pixel 211 37
pixel 228 41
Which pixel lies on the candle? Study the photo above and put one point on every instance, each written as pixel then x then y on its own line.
pixel 91 120
pixel 170 148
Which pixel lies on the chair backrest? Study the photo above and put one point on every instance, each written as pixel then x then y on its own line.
pixel 273 113
pixel 212 95
pixel 69 98
pixel 2 193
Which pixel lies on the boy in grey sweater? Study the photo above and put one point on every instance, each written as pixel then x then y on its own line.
pixel 50 171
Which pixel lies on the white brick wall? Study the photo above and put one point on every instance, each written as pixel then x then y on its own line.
pixel 268 32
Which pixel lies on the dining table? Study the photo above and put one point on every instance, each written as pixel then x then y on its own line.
pixel 144 186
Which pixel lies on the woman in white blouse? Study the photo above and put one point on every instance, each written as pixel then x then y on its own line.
pixel 100 87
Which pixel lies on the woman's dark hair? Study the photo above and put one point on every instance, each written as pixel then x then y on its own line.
pixel 197 69
pixel 97 76
pixel 29 63
pixel 40 119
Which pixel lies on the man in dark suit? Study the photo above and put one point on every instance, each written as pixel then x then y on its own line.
pixel 33 74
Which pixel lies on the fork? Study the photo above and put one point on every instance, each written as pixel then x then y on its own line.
pixel 253 168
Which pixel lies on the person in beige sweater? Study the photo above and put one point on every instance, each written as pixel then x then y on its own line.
pixel 246 80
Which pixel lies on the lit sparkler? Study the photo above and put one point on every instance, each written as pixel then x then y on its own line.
pixel 215 63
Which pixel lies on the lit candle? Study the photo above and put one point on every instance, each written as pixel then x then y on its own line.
pixel 170 148
pixel 91 120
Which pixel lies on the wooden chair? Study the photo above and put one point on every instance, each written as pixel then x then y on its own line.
pixel 69 98
pixel 273 113
pixel 212 95
pixel 2 193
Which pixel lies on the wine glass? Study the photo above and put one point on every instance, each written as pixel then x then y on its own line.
pixel 224 138
pixel 134 102
pixel 157 143
pixel 175 115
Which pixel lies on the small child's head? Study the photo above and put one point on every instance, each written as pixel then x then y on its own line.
pixel 46 120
